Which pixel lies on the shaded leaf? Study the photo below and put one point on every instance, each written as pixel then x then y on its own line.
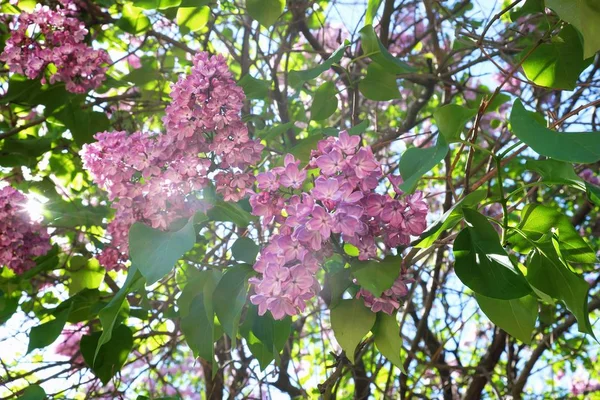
pixel 582 147
pixel 297 78
pixel 538 220
pixel 244 249
pixel 378 84
pixel 451 120
pixel 557 172
pixel 516 316
pixel 482 264
pixel 33 392
pixel 450 218
pixel 325 102
pixel 386 332
pixel 377 276
pixel 155 252
pixel 111 356
pixel 230 297
pixel 372 47
pixel 416 162
pixel 351 320
pixel 558 64
pixel 547 272
pixel 254 88
pixel 108 315
pixel 45 334
pixel 230 212
pixel 584 15
pixel 266 12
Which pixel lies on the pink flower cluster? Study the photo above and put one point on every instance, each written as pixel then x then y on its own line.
pixel 55 37
pixel 389 300
pixel 155 179
pixel 21 238
pixel 341 206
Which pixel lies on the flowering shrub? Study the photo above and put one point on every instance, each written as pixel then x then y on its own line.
pixel 253 224
pixel 50 43
pixel 21 237
pixel 156 178
pixel 316 218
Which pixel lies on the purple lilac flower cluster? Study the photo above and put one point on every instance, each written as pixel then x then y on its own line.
pixel 55 38
pixel 21 238
pixel 155 178
pixel 589 176
pixel 341 206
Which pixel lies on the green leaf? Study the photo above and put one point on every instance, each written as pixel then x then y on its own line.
pixel 372 7
pixel 351 321
pixel 193 18
pixel 272 333
pixel 263 354
pixel 584 15
pixel 85 274
pixel 33 392
pixel 296 78
pixel 86 305
pixel 108 315
pixel 482 263
pixel 22 90
pixel 133 19
pixel 386 332
pixel 516 316
pixel 270 134
pixel 254 88
pixel 155 252
pixel 378 84
pixel 582 147
pixel 450 218
pixel 83 124
pixel 556 65
pixel 198 329
pixel 8 306
pixel 377 276
pixel 557 172
pixel 373 48
pixel 593 193
pixel 230 212
pixel 229 298
pixel 546 271
pixel 359 128
pixel 416 162
pixel 266 12
pixel 264 336
pixel 325 102
pixel 45 334
pixel 530 7
pixel 70 214
pixel 244 249
pixel 23 152
pixel 157 4
pixel 112 355
pixel 197 315
pixel 451 120
pixel 336 283
pixel 538 220
pixel 303 148
pixel 562 173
